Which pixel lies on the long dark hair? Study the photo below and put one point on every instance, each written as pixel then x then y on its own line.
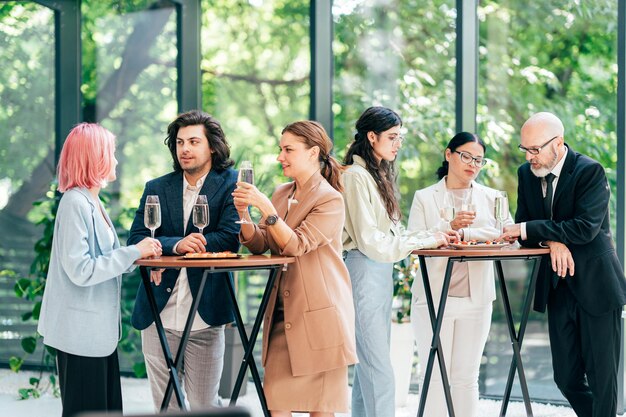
pixel 220 158
pixel 377 120
pixel 313 134
pixel 459 139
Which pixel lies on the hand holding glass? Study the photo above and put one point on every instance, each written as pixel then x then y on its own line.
pixel 246 174
pixel 468 207
pixel 152 214
pixel 200 213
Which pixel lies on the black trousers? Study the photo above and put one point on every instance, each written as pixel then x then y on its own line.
pixel 585 353
pixel 89 384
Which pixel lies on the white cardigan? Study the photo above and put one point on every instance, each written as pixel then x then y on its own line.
pixel 424 215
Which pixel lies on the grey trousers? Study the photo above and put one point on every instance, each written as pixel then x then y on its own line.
pixel 201 368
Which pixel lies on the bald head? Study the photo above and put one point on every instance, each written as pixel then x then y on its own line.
pixel 543 124
pixel 542 139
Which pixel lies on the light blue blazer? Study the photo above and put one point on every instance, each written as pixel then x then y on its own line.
pixel 80 311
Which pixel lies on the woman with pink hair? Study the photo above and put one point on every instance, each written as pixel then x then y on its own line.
pixel 80 312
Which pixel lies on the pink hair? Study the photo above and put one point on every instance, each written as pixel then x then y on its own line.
pixel 86 158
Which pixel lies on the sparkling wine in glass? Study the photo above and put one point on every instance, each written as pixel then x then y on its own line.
pixel 152 214
pixel 200 213
pixel 468 206
pixel 447 211
pixel 246 174
pixel 501 210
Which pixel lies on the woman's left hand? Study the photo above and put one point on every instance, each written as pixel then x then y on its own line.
pixel 248 195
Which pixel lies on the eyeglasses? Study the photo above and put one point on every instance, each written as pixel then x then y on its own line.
pixel 535 151
pixel 397 140
pixel 468 159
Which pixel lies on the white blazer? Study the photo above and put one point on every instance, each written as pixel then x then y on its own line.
pixel 424 215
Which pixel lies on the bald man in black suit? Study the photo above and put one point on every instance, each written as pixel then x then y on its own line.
pixel 563 203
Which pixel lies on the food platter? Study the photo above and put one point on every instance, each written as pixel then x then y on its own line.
pixel 211 255
pixel 478 245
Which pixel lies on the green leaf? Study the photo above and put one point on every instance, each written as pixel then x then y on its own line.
pixel 53 379
pixel 51 351
pixel 15 363
pixel 139 368
pixel 29 344
pixel 36 310
pixel 21 287
pixel 34 381
pixel 26 316
pixel 24 393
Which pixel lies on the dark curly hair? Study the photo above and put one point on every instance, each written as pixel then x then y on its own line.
pixel 220 158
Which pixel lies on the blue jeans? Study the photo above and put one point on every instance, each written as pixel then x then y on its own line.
pixel 373 390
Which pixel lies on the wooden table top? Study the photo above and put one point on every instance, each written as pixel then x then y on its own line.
pixel 242 261
pixel 505 251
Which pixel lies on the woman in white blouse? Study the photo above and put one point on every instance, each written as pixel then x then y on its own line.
pixel 472 289
pixel 373 239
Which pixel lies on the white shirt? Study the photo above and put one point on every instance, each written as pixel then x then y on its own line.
pixel 175 312
pixel 544 187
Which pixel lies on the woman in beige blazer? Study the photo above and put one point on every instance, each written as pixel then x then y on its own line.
pixel 472 289
pixel 309 325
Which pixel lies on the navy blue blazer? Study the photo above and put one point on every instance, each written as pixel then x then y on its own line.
pixel 580 220
pixel 222 234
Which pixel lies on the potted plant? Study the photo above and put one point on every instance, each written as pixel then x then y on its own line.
pixel 402 345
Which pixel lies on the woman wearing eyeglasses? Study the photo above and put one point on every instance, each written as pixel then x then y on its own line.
pixel 472 287
pixel 373 239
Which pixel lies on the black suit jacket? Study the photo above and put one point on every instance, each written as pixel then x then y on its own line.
pixel 580 220
pixel 221 234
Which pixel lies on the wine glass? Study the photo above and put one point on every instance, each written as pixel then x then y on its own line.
pixel 246 174
pixel 200 213
pixel 501 209
pixel 152 214
pixel 447 211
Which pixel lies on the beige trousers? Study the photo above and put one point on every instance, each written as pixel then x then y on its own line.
pixel 201 369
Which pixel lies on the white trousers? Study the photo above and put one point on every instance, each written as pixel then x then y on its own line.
pixel 464 333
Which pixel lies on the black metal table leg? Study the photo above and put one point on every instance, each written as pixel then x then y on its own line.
pixel 435 346
pixel 517 337
pixel 248 345
pixel 185 336
pixel 171 366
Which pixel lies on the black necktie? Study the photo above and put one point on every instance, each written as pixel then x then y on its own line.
pixel 547 200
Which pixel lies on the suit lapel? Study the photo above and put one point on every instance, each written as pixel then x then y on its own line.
pixel 565 177
pixel 440 192
pixel 174 202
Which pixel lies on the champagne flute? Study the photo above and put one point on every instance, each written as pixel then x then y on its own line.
pixel 246 174
pixel 200 213
pixel 468 206
pixel 152 214
pixel 501 209
pixel 447 210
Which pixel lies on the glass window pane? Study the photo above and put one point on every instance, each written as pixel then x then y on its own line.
pixel 26 153
pixel 130 87
pixel 398 54
pixel 255 76
pixel 551 56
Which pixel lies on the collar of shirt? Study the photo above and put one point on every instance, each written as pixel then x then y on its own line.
pixel 198 185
